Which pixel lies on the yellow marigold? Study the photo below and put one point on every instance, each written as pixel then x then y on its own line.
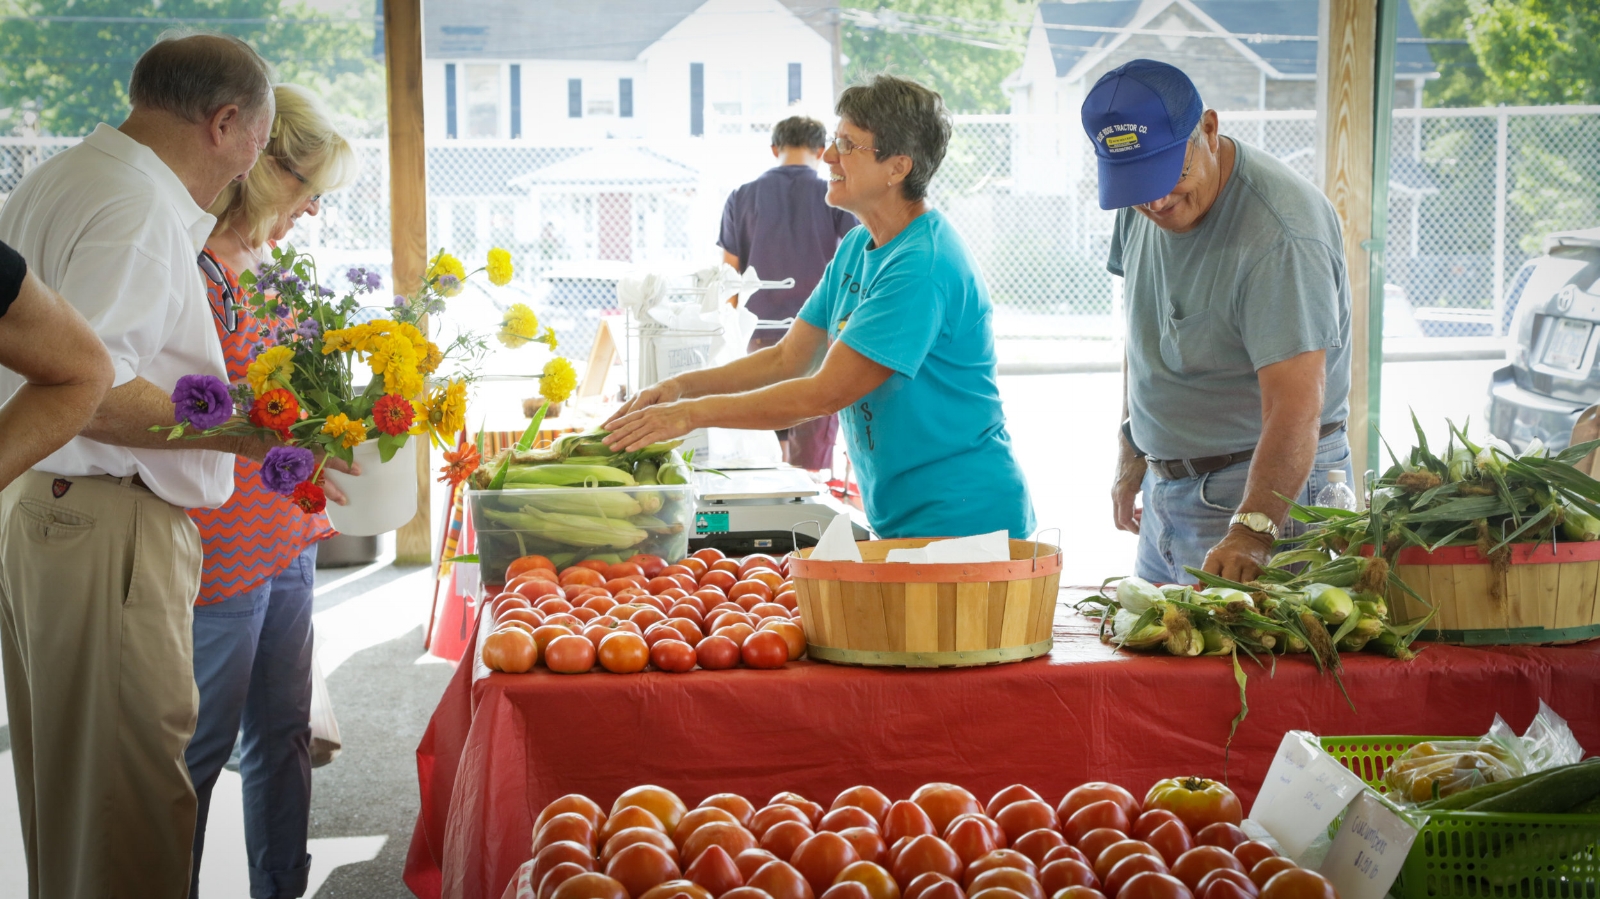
pixel 499 267
pixel 445 264
pixel 548 338
pixel 272 368
pixel 340 340
pixel 395 359
pixel 444 413
pixel 558 380
pixel 351 433
pixel 518 326
pixel 431 358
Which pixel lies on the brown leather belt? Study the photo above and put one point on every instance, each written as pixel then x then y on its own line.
pixel 1173 469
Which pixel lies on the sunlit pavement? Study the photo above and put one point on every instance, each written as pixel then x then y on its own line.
pixel 369 627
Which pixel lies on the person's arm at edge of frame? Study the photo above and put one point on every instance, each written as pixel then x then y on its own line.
pixel 1291 415
pixel 1130 471
pixel 844 377
pixel 66 370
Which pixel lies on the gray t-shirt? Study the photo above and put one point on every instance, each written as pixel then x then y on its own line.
pixel 1261 279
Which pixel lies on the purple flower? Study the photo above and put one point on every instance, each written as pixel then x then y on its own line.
pixel 400 302
pixel 292 280
pixel 282 310
pixel 309 329
pixel 285 467
pixel 242 394
pixel 374 280
pixel 202 401
pixel 324 291
pixel 356 276
pixel 448 282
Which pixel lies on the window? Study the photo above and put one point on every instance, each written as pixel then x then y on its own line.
pixel 727 92
pixel 600 106
pixel 766 93
pixel 697 98
pixel 450 99
pixel 516 100
pixel 483 101
pixel 794 83
pixel 625 97
pixel 574 98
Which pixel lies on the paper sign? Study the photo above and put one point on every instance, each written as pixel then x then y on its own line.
pixel 1306 788
pixel 1369 849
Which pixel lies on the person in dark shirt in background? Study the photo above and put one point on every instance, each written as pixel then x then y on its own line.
pixel 781 225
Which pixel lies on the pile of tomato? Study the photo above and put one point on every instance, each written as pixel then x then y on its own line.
pixel 1099 842
pixel 705 611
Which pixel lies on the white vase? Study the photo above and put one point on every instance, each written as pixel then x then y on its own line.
pixel 383 498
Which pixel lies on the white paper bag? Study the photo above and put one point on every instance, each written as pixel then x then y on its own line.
pixel 838 543
pixel 1304 791
pixel 325 741
pixel 1367 852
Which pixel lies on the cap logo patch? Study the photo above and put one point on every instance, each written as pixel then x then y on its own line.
pixel 1121 138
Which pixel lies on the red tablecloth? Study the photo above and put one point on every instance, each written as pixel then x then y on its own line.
pixel 501 746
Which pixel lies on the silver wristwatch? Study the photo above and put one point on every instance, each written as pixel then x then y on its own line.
pixel 1256 521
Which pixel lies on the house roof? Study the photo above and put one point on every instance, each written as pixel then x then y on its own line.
pixel 1242 18
pixel 610 168
pixel 548 29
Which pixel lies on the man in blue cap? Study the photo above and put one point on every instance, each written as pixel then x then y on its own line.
pixel 1237 370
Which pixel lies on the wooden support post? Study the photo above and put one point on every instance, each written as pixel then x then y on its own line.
pixel 1350 43
pixel 408 219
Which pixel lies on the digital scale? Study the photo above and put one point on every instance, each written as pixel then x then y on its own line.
pixel 763 510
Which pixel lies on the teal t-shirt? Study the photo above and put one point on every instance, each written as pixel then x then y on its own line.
pixel 929 445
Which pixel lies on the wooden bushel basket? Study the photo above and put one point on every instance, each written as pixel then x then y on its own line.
pixel 1549 594
pixel 908 615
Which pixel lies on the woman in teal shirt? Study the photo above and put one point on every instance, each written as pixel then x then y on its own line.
pixel 896 338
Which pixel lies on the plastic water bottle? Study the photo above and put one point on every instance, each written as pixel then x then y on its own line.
pixel 1337 494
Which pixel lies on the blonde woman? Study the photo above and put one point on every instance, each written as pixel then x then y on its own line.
pixel 252 620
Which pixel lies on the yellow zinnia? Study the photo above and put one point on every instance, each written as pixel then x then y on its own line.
pixel 351 433
pixel 395 359
pixel 444 413
pixel 431 358
pixel 272 368
pixel 445 264
pixel 499 267
pixel 548 338
pixel 558 380
pixel 518 326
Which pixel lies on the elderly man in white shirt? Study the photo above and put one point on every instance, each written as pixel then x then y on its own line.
pixel 99 564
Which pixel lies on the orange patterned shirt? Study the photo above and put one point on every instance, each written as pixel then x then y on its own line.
pixel 256 533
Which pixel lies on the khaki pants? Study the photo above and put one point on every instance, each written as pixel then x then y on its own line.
pixel 97 588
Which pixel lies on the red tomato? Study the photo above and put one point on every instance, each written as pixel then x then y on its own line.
pixel 739 807
pixel 821 857
pixel 922 882
pixel 617 585
pixel 1095 815
pixel 572 802
pixel 868 799
pixel 556 876
pixel 780 881
pixel 944 889
pixel 582 576
pixel 1153 885
pixel 879 884
pixel 1112 883
pixel 569 654
pixel 1196 801
pixel 1069 851
pixel 847 816
pixel 731 566
pixel 629 816
pixel 905 819
pixel 710 555
pixel 1095 842
pixel 1149 821
pixel 1252 852
pixel 558 853
pixel 924 853
pixel 585 615
pixel 1007 878
pixel 813 811
pixel 640 866
pixel 1077 892
pixel 944 803
pixel 1036 844
pixel 766 649
pixel 674 656
pixel 672 889
pixel 655 633
pixel 715 653
pixel 869 845
pixel 677 569
pixel 651 565
pixel 1268 868
pixel 1299 883
pixel 1227 889
pixel 1221 834
pixel 631 835
pixel 1234 876
pixel 599 603
pixel 719 580
pixel 688 613
pixel 772 814
pixel 660 583
pixel 569 826
pixel 729 835
pixel 512 650
pixel 714 869
pixel 708 597
pixel 745 893
pixel 1000 858
pixel 1005 797
pixel 1024 815
pixel 647 616
pixel 590 886
pixel 1116 852
pixel 658 801
pixel 848 889
pixel 553 605
pixel 564 619
pixel 970 839
pixel 784 837
pixel 539 588
pixel 1066 872
pixel 769 610
pixel 752 860
pixel 696 567
pixel 738 633
pixel 788 599
pixel 1202 860
pixel 1171 840
pixel 1096 791
pixel 528 563
pixel 757 560
pixel 595 565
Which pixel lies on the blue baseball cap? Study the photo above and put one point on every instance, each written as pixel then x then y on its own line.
pixel 1139 117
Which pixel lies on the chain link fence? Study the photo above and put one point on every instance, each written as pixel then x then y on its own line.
pixel 1472 194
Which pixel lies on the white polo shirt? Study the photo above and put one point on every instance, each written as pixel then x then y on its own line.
pixel 111 228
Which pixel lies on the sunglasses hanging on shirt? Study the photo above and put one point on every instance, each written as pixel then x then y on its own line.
pixel 229 314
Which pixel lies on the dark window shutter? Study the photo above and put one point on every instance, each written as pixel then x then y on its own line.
pixel 625 97
pixel 516 101
pixel 574 98
pixel 697 98
pixel 450 99
pixel 794 82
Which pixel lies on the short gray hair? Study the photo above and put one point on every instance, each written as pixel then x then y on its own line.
pixel 194 75
pixel 906 119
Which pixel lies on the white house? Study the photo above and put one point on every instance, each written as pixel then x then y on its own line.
pixel 573 71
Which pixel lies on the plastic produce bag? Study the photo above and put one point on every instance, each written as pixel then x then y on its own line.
pixel 1438 768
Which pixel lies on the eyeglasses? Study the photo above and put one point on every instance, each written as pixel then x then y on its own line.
pixel 297 176
pixel 846 146
pixel 229 316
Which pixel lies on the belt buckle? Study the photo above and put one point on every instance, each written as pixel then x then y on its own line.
pixel 1188 466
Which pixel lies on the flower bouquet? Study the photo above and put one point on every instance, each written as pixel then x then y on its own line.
pixel 302 391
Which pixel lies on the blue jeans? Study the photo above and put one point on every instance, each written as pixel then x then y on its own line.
pixel 1183 518
pixel 252 663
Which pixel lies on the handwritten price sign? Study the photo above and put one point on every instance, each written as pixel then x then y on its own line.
pixel 1369 849
pixel 1305 790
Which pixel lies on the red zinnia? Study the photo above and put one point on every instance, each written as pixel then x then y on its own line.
pixel 309 497
pixel 393 415
pixel 276 409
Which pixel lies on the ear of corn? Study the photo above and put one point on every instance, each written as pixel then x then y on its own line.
pixel 600 503
pixel 568 475
pixel 572 530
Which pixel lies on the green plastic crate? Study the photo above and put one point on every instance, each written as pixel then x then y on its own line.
pixel 1483 854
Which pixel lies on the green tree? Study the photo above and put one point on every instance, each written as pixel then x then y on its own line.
pixel 1461 80
pixel 70 60
pixel 940 43
pixel 1538 52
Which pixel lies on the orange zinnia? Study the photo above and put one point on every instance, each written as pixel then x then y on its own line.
pixel 460 464
pixel 393 415
pixel 276 409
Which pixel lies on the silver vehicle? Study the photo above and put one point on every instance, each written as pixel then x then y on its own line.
pixel 1553 309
